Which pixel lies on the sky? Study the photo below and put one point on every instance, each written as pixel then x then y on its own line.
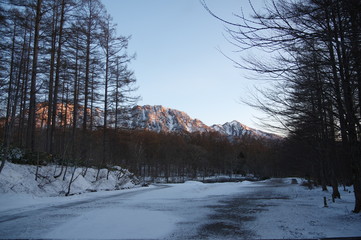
pixel 179 62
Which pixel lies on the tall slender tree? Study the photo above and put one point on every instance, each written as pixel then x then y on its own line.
pixel 32 105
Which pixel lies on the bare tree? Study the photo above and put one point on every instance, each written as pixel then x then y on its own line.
pixel 32 106
pixel 312 47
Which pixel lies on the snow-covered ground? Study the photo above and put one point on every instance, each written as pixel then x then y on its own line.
pixel 17 178
pixel 294 212
pixel 269 209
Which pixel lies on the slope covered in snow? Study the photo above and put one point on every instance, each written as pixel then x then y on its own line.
pixel 161 119
pixel 52 180
pixel 237 129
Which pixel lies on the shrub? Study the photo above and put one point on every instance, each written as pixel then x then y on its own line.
pixel 11 154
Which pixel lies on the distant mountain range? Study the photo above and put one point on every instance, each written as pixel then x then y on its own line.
pixel 161 119
pixel 153 118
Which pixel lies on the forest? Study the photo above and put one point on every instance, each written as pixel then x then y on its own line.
pixel 63 67
pixel 62 62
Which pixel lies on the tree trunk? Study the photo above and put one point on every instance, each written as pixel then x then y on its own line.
pixel 357 191
pixel 105 125
pixel 24 92
pixel 49 140
pixel 32 107
pixel 76 92
pixel 72 179
pixel 86 87
pixel 356 168
pixel 18 88
pixel 116 93
pixel 57 77
pixel 10 93
pixel 350 110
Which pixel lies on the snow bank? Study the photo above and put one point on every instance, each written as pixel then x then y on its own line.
pixel 197 190
pixel 16 178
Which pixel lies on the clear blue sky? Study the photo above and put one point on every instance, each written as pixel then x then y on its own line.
pixel 178 64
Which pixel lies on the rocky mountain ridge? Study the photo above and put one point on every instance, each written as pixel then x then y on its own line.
pixel 153 118
pixel 161 119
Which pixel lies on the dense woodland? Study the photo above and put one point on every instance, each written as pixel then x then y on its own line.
pixel 62 62
pixel 312 55
pixel 63 67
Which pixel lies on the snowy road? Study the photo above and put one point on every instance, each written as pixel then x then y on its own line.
pixel 183 211
pixel 188 211
pixel 48 220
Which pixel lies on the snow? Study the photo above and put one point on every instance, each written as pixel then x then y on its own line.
pixel 16 178
pixel 138 223
pixel 194 190
pixel 117 223
pixel 303 215
pixel 271 209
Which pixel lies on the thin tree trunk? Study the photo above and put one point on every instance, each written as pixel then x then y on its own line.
pixel 86 87
pixel 116 93
pixel 92 100
pixel 24 91
pixel 72 179
pixel 86 93
pixel 357 188
pixel 75 112
pixel 107 60
pixel 57 76
pixel 32 106
pixel 10 93
pixel 16 97
pixel 49 140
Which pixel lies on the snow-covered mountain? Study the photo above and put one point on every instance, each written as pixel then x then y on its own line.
pixel 161 119
pixel 237 129
pixel 153 118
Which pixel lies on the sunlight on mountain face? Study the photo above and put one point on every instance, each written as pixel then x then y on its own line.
pixel 153 118
pixel 161 119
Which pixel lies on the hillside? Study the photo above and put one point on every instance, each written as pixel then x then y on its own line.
pixel 56 180
pixel 161 119
pixel 237 129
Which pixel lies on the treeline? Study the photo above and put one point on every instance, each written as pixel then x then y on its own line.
pixel 196 155
pixel 315 64
pixel 168 156
pixel 56 54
